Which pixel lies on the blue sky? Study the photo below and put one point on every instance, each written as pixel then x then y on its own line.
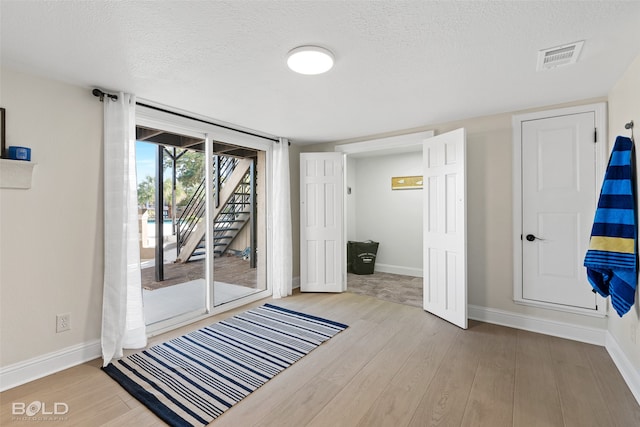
pixel 145 159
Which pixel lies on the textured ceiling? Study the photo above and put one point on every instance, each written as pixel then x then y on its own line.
pixel 399 65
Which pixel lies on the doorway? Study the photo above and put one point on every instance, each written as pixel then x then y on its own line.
pixel 443 225
pixel 393 217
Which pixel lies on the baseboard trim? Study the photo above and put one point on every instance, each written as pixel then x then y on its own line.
pixel 627 370
pixel 398 269
pixel 536 324
pixel 23 372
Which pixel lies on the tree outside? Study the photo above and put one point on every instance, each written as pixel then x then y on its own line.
pixel 189 175
pixel 147 192
pixel 190 171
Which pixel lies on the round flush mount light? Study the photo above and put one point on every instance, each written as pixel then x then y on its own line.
pixel 310 60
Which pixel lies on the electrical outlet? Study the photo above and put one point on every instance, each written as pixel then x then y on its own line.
pixel 63 322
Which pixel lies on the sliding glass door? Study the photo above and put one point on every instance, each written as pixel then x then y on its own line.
pixel 203 218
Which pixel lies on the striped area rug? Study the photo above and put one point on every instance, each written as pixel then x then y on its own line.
pixel 193 379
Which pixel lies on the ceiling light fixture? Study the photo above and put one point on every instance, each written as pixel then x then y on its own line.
pixel 310 60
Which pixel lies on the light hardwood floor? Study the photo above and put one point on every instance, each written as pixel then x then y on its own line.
pixel 394 366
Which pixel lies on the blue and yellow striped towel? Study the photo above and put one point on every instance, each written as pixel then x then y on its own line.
pixel 611 261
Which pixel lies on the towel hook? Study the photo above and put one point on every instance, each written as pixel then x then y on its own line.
pixel 630 126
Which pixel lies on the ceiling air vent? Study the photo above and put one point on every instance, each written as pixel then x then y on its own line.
pixel 559 56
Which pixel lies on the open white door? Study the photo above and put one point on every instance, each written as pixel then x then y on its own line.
pixel 445 232
pixel 322 252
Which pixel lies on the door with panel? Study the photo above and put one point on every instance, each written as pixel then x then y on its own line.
pixel 444 227
pixel 559 196
pixel 322 253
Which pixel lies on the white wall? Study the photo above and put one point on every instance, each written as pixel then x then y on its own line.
pixel 352 205
pixel 51 245
pixel 391 217
pixel 624 106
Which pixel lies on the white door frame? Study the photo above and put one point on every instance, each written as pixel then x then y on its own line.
pixel 392 144
pixel 602 150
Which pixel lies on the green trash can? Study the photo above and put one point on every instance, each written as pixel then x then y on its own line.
pixel 361 257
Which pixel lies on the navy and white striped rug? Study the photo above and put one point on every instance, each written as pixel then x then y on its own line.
pixel 193 379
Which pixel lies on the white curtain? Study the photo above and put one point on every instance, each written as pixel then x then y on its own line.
pixel 123 323
pixel 281 258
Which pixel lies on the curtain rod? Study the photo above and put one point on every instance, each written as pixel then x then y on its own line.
pixel 100 94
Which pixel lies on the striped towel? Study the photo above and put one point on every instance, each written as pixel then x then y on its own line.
pixel 611 261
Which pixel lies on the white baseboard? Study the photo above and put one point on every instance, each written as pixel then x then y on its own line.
pixel 627 370
pixel 398 269
pixel 295 283
pixel 536 324
pixel 41 366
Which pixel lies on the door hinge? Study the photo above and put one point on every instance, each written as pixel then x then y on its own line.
pixel 595 134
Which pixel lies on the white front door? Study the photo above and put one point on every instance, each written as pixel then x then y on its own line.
pixel 559 197
pixel 445 237
pixel 322 253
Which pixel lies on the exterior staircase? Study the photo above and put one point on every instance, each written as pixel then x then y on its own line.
pixel 233 194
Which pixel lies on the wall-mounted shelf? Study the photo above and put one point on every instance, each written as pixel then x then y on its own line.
pixel 16 174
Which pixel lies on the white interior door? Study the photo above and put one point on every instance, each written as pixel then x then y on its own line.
pixel 558 202
pixel 445 236
pixel 322 248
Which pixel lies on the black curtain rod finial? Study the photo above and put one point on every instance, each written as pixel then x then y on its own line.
pixel 100 94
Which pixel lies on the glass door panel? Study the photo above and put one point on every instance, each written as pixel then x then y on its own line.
pixel 239 269
pixel 174 284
